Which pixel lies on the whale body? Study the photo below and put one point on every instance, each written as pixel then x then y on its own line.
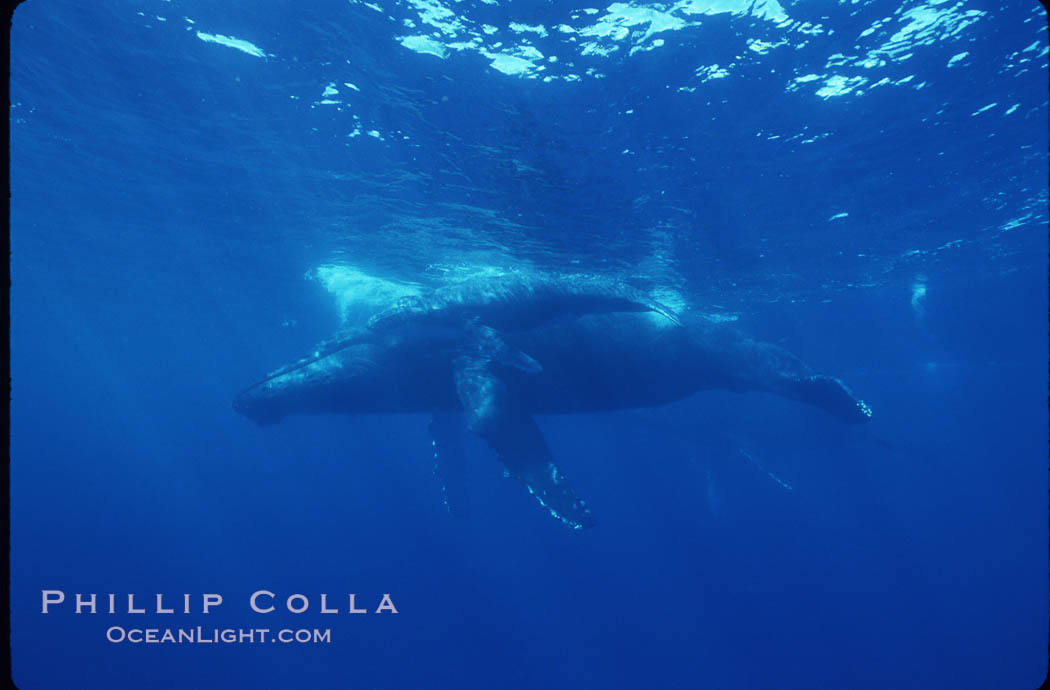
pixel 587 363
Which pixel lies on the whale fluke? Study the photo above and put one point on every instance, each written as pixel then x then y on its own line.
pixel 831 395
pixel 491 346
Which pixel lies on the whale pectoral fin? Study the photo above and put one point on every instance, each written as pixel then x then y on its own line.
pixel 519 360
pixel 527 459
pixel 761 468
pixel 669 315
pixel 637 300
pixel 494 414
pixel 664 311
pixel 831 395
pixel 490 345
pixel 450 462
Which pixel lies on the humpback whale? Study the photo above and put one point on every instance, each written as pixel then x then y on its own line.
pixel 476 312
pixel 592 353
pixel 516 302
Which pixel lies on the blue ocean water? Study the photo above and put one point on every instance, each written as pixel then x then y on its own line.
pixel 202 191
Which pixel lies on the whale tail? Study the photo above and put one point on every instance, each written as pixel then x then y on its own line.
pixel 831 395
pixel 771 368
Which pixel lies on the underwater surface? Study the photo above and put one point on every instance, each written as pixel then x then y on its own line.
pixel 200 192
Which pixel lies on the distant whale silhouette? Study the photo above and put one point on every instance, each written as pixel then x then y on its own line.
pixel 599 348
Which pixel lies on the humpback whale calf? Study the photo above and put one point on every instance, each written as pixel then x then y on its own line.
pixel 477 311
pixel 585 354
pixel 516 302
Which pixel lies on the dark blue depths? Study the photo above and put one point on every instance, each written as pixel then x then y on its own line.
pixel 170 191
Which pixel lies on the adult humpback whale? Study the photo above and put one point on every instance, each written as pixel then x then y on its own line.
pixel 587 362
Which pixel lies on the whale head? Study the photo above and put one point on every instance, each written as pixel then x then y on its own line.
pixel 259 405
pixel 338 381
pixel 361 378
